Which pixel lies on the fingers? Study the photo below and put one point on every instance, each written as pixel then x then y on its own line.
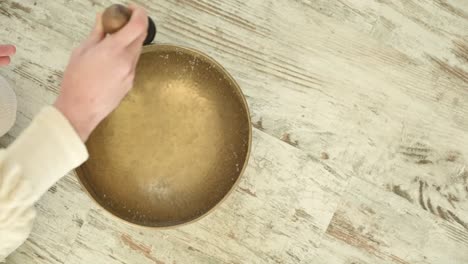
pixel 135 48
pixel 97 34
pixel 7 50
pixel 137 45
pixel 137 26
pixel 4 61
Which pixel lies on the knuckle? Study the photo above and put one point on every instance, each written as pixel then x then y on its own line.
pixel 139 25
pixel 77 51
pixel 131 76
pixel 122 72
pixel 128 58
pixel 125 69
pixel 141 21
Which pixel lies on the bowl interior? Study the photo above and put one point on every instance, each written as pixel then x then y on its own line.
pixel 176 145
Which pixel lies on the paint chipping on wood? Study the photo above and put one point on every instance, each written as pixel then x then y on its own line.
pixel 441 213
pixel 452 199
pixel 423 162
pixel 140 248
pixel 461 50
pixel 287 138
pixel 53 189
pixel 398 260
pixel 452 156
pixel 259 124
pixel 340 228
pixel 299 213
pixel 458 220
pixel 324 156
pixel 248 191
pixel 232 235
pixel 402 193
pixel 18 6
pixel 453 71
pixel 429 205
pixel 421 195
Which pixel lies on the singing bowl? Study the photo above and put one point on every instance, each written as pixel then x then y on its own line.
pixel 175 147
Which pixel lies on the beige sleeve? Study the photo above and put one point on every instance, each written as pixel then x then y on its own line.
pixel 47 150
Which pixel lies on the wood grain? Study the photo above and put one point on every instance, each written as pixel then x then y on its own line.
pixel 370 93
pixel 374 227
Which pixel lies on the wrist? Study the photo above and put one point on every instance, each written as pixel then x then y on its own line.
pixel 82 123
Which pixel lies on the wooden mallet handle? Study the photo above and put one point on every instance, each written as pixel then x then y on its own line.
pixel 117 16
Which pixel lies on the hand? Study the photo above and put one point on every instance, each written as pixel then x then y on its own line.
pixel 5 52
pixel 101 72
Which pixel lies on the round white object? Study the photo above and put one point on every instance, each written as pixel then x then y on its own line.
pixel 7 107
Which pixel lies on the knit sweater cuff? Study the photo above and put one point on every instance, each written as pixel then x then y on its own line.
pixel 47 150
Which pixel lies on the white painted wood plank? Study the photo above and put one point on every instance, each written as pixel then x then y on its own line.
pixel 417 28
pixel 373 226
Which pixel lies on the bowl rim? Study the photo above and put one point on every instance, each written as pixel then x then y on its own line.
pixel 158 46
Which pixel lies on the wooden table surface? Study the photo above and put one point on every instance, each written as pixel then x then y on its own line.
pixel 360 109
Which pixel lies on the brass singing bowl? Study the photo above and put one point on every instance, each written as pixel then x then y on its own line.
pixel 175 147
